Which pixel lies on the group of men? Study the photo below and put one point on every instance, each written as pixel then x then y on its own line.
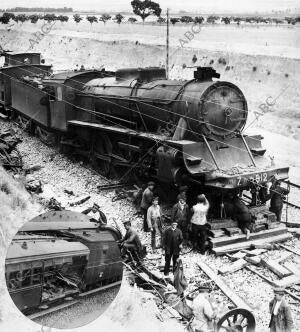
pixel 184 221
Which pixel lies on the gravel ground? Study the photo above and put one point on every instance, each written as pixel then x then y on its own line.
pixel 82 313
pixel 59 173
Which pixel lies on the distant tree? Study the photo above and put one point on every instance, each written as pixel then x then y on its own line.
pixel 92 19
pixel 33 18
pixel 9 16
pixel 4 19
pixel 132 20
pixel 63 18
pixel 226 20
pixel 161 20
pixel 186 19
pixel 145 8
pixel 212 19
pixel 104 18
pixel 198 19
pixel 119 18
pixel 21 18
pixel 77 18
pixel 237 20
pixel 50 17
pixel 174 20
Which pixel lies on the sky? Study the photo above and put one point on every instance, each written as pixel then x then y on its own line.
pixel 205 6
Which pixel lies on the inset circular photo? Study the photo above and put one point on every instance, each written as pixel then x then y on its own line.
pixel 63 269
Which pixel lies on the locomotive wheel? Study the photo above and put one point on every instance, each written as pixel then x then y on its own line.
pixel 237 320
pixel 100 154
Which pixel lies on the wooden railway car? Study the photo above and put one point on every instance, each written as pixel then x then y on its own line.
pixel 33 263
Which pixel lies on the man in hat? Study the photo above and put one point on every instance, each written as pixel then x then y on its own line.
pixel 172 239
pixel 276 193
pixel 281 316
pixel 203 311
pixel 147 198
pixel 131 240
pixel 95 210
pixel 199 223
pixel 182 192
pixel 180 214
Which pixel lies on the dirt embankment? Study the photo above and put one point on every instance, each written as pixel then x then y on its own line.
pixel 262 78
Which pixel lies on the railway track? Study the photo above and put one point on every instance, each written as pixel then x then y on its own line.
pixel 70 303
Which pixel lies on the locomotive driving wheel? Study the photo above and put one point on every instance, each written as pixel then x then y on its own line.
pixel 237 320
pixel 101 154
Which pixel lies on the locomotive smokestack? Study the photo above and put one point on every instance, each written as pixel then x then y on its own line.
pixel 205 73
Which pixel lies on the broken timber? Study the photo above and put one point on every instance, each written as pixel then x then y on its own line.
pixel 290 249
pixel 224 287
pixel 222 250
pixel 237 265
pixel 276 268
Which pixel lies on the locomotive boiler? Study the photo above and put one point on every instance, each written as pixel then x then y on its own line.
pixel 175 131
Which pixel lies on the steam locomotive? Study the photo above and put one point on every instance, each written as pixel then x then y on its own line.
pixel 59 255
pixel 136 121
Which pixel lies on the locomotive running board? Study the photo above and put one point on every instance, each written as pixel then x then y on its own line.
pixel 113 129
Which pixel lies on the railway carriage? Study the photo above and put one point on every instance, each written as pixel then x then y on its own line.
pixel 32 263
pixel 61 254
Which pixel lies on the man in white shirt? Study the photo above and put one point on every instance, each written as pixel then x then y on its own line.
pixel 199 223
pixel 155 223
pixel 203 311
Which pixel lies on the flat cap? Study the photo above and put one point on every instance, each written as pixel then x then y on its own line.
pixel 151 183
pixel 279 290
pixel 126 221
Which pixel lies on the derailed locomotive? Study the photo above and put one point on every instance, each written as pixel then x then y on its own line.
pixel 59 255
pixel 136 121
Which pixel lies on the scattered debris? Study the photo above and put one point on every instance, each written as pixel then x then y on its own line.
pixel 224 288
pixel 69 192
pixel 80 201
pixel 275 267
pixel 237 265
pixel 34 186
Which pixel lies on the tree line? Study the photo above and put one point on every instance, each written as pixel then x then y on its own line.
pixel 40 9
pixel 144 9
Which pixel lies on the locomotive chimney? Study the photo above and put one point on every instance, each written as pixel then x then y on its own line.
pixel 205 73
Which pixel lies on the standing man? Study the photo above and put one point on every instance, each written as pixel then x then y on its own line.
pixel 172 239
pixel 131 240
pixel 180 214
pixel 203 311
pixel 277 194
pixel 154 223
pixel 147 198
pixel 199 223
pixel 281 316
